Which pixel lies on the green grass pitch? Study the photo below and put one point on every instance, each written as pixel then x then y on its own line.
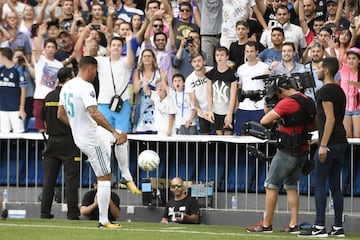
pixel 39 229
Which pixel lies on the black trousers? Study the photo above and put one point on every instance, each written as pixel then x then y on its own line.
pixel 61 150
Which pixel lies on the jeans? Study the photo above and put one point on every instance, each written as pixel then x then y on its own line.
pixel 331 170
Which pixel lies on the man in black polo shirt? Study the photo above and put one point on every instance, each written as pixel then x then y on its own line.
pixel 60 149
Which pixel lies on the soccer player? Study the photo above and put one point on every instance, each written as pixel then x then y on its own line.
pixel 78 108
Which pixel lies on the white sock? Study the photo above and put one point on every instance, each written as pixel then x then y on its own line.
pixel 103 195
pixel 122 157
pixel 319 227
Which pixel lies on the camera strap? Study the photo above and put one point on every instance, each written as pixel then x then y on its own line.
pixel 113 81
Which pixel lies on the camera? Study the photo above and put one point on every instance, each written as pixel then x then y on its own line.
pixel 20 59
pixel 189 40
pixel 96 26
pixel 298 81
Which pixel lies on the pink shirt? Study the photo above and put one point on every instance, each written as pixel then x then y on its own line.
pixel 351 92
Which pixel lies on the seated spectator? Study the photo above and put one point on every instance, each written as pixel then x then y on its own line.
pixel 182 208
pixel 89 206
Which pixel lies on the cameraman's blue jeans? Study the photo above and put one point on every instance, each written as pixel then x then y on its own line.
pixel 331 170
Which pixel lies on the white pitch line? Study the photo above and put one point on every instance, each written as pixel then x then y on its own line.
pixel 165 230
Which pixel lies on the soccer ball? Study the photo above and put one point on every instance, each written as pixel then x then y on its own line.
pixel 148 160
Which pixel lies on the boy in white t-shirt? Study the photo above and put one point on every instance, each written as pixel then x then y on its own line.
pixel 164 114
pixel 185 112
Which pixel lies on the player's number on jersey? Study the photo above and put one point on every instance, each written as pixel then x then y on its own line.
pixel 69 105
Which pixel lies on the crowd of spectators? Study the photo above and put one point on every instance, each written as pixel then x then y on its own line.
pixel 167 40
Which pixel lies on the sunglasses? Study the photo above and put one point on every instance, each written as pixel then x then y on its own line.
pixel 158 26
pixel 185 10
pixel 173 186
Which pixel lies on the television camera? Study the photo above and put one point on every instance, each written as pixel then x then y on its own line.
pixel 299 81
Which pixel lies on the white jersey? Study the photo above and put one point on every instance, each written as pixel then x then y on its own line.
pixel 197 85
pixel 76 96
pixel 121 73
pixel 246 73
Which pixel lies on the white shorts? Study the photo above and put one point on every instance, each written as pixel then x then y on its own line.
pixel 98 157
pixel 10 121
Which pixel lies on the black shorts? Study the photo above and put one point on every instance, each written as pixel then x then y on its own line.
pixel 205 126
pixel 219 123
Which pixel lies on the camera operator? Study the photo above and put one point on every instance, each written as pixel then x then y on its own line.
pixel 297 113
pixel 188 46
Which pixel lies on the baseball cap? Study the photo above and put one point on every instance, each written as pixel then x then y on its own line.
pixel 334 1
pixel 353 50
pixel 63 31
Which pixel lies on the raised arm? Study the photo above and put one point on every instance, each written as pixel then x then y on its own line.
pixel 38 42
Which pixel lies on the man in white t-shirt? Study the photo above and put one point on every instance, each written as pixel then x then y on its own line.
pixel 114 74
pixel 78 108
pixel 46 68
pixel 195 86
pixel 250 109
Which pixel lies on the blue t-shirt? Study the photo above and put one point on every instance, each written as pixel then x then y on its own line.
pixel 11 80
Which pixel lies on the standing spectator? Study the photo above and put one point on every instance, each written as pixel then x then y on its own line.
pixel 250 109
pixel 349 84
pixel 78 108
pixel 182 208
pixel 114 74
pixel 297 112
pixel 237 49
pixel 126 9
pixel 196 87
pixel 46 68
pixel 17 38
pixel 210 28
pixel 185 112
pixel 287 65
pixel 164 114
pixel 183 26
pixel 292 32
pixel 147 72
pixel 29 76
pixel 334 15
pixel 163 56
pixel 329 157
pixel 234 11
pixel 67 15
pixel 188 46
pixel 12 6
pixel 12 94
pixel 221 86
pixel 273 54
pixel 28 20
pixel 60 150
pixel 89 209
pixel 65 53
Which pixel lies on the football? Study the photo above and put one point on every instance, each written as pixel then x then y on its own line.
pixel 148 160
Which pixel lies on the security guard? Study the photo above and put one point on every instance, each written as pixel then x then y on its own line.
pixel 60 149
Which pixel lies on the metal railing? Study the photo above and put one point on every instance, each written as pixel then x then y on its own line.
pixel 216 167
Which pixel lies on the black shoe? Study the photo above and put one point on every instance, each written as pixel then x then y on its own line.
pixel 314 232
pixel 337 233
pixel 47 216
pixel 4 214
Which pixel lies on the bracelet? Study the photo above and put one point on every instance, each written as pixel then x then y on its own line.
pixel 352 26
pixel 323 146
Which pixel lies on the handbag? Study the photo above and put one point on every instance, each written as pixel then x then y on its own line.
pixel 116 101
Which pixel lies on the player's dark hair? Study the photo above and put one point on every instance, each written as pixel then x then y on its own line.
pixel 222 49
pixel 290 44
pixel 159 33
pixel 7 52
pixel 279 29
pixel 252 44
pixel 332 64
pixel 87 60
pixel 64 74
